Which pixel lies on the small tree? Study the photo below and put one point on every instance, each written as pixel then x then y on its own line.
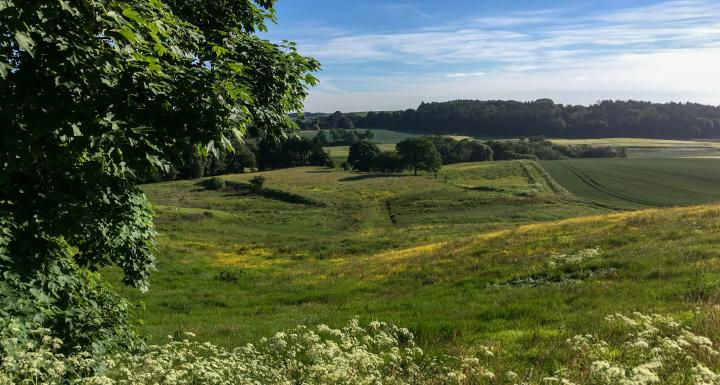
pixel 362 154
pixel 319 157
pixel 419 154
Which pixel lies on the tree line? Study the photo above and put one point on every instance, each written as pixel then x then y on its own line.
pixel 429 153
pixel 512 119
pixel 269 153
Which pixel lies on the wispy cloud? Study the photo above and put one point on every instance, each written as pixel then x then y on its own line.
pixel 465 74
pixel 670 47
pixel 405 8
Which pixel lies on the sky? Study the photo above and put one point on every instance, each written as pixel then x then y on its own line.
pixel 392 55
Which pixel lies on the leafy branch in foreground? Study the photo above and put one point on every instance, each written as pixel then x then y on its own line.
pixel 94 92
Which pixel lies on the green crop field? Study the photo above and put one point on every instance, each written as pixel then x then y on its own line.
pixel 639 183
pixel 472 257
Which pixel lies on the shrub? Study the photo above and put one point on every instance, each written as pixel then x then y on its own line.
pixel 214 183
pixel 257 182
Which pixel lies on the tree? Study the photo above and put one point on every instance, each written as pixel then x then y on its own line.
pixel 388 162
pixel 95 92
pixel 362 154
pixel 319 157
pixel 481 153
pixel 419 154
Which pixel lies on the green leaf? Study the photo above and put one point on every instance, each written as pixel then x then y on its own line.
pixel 160 49
pixel 76 130
pixel 25 42
pixel 5 69
pixel 133 15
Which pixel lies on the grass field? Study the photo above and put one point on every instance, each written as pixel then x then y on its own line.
pixel 640 183
pixel 493 253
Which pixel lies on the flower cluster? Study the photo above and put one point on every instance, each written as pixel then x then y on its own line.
pixel 559 260
pixel 650 349
pixel 374 355
pixel 655 349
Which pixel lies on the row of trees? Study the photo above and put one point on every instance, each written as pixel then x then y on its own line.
pixel 538 148
pixel 512 119
pixel 265 154
pixel 342 137
pixel 271 154
pixel 429 153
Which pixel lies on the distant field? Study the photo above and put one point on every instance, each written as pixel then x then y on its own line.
pixel 381 136
pixel 654 148
pixel 640 183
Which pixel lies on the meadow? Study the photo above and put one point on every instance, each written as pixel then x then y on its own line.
pixel 494 253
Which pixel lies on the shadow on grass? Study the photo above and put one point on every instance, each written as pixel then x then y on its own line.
pixel 244 189
pixel 371 176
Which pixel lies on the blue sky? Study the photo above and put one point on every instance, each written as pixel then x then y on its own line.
pixel 386 55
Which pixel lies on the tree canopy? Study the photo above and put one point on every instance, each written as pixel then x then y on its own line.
pixel 95 92
pixel 419 154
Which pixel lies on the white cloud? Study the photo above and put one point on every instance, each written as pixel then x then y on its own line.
pixel 670 50
pixel 465 74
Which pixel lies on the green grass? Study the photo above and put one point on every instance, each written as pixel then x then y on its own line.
pixel 446 257
pixel 640 183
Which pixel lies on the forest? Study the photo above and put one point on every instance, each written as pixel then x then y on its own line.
pixel 510 119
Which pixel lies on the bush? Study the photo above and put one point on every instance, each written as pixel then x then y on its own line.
pixel 257 182
pixel 213 183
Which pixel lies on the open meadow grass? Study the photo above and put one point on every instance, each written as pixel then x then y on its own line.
pixel 489 253
pixel 640 183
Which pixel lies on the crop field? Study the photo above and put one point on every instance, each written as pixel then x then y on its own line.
pixel 639 183
pixel 654 148
pixel 488 253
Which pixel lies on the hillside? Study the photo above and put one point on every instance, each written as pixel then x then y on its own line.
pixel 494 253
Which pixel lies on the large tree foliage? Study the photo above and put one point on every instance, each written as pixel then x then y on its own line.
pixel 419 154
pixel 94 92
pixel 362 155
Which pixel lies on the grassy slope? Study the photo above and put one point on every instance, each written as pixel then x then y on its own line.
pixel 449 258
pixel 640 183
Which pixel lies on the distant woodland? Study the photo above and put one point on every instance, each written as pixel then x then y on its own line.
pixel 511 119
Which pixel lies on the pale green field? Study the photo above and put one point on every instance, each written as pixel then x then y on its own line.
pixel 654 148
